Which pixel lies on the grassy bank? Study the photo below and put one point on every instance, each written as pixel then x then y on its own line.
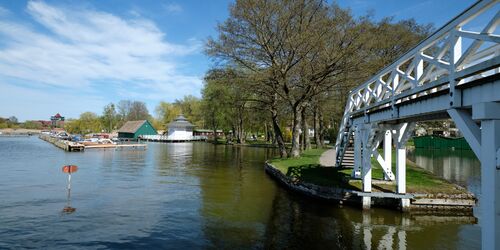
pixel 307 169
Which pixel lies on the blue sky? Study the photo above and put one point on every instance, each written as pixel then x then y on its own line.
pixel 76 56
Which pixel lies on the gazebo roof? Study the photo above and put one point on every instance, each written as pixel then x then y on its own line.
pixel 180 122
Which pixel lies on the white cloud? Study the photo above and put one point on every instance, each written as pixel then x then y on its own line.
pixel 173 8
pixel 88 49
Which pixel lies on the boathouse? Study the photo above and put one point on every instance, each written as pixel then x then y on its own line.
pixel 134 129
pixel 180 129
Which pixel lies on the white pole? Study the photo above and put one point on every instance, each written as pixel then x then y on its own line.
pixel 388 153
pixel 490 184
pixel 401 159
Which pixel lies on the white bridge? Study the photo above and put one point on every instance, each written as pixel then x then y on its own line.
pixel 453 73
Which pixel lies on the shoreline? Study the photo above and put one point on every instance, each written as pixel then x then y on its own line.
pixel 458 204
pixel 19 132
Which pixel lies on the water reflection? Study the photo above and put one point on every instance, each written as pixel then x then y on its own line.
pixel 295 224
pixel 172 157
pixel 185 196
pixel 458 166
pixel 236 196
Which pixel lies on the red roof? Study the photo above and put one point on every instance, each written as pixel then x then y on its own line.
pixel 57 115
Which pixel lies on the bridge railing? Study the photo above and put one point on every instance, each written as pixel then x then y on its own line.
pixel 442 61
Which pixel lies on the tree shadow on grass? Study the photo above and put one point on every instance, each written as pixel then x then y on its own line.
pixel 322 176
pixel 383 188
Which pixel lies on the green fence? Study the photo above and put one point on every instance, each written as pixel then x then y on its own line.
pixel 438 142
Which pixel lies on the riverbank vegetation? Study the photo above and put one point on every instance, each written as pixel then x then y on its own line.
pixel 307 168
pixel 289 65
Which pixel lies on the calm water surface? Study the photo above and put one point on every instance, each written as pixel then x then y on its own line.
pixel 191 196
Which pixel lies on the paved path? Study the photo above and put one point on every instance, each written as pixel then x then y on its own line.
pixel 327 159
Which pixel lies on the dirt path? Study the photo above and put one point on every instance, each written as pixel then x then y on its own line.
pixel 327 159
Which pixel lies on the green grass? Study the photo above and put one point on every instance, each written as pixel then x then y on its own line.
pixel 418 180
pixel 306 158
pixel 307 169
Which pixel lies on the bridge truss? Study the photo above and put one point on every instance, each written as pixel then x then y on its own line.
pixel 453 73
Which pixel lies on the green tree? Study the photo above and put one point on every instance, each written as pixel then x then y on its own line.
pixel 32 125
pixel 109 117
pixel 190 107
pixel 13 120
pixel 214 104
pixel 123 109
pixel 300 45
pixel 138 111
pixel 167 112
pixel 305 54
pixel 87 123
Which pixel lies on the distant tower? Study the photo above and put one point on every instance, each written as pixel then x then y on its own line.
pixel 57 120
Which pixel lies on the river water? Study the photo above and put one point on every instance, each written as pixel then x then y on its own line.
pixel 194 196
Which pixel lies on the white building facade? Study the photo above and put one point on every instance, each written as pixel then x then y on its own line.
pixel 180 129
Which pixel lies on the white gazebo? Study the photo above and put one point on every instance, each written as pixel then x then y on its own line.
pixel 180 129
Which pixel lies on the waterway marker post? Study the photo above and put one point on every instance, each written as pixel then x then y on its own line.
pixel 69 169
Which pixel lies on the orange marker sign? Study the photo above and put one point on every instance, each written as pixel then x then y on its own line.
pixel 69 169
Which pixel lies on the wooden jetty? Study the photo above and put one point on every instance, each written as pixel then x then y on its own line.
pixel 63 144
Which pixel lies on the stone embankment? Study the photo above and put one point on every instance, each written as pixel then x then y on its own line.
pixel 63 144
pixel 461 203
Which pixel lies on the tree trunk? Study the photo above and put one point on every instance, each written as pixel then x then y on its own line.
pixel 215 135
pixel 234 134
pixel 272 136
pixel 214 127
pixel 297 115
pixel 305 128
pixel 240 126
pixel 317 130
pixel 278 136
pixel 266 132
pixel 303 131
pixel 301 136
pixel 321 129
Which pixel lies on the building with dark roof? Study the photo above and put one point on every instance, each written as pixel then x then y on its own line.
pixel 134 129
pixel 180 129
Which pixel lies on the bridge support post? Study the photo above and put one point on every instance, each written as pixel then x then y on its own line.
pixel 490 183
pixel 366 159
pixel 400 169
pixel 366 202
pixel 366 166
pixel 403 132
pixel 387 153
pixel 489 114
pixel 485 142
pixel 400 159
pixel 356 173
